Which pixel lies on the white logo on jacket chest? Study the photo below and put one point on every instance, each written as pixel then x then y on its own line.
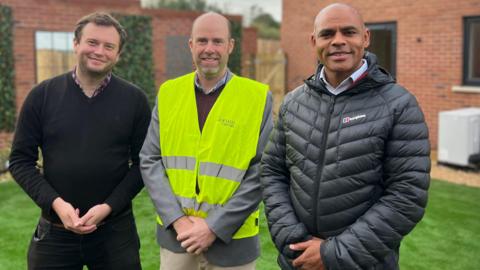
pixel 348 119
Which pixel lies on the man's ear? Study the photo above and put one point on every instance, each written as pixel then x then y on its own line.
pixel 231 45
pixel 312 39
pixel 366 36
pixel 190 43
pixel 75 45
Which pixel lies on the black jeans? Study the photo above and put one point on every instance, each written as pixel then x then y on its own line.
pixel 114 245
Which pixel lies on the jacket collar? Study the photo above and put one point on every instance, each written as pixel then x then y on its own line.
pixel 375 76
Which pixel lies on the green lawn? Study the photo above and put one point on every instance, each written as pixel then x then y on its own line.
pixel 447 238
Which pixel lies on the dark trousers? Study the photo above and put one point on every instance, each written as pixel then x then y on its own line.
pixel 114 245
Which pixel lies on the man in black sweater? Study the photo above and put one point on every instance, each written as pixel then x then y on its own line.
pixel 90 126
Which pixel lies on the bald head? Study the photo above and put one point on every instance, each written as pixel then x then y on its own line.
pixel 211 18
pixel 211 45
pixel 340 39
pixel 334 9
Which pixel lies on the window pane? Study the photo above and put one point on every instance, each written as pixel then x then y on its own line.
pixel 474 65
pixel 61 42
pixel 471 51
pixel 54 52
pixel 43 40
pixel 383 44
pixel 178 54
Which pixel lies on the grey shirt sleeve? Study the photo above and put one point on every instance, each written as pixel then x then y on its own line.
pixel 155 177
pixel 226 220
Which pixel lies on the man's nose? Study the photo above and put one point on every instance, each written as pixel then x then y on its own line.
pixel 338 39
pixel 100 49
pixel 209 47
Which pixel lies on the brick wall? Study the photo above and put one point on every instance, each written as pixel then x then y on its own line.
pixel 249 51
pixel 167 23
pixel 52 15
pixel 429 47
pixel 5 140
pixel 61 15
pixel 176 23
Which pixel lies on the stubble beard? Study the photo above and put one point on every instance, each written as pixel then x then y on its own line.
pixel 95 73
pixel 210 72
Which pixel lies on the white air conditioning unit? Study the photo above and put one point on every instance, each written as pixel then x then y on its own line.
pixel 459 137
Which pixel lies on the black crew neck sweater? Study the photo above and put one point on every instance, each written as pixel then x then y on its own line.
pixel 86 145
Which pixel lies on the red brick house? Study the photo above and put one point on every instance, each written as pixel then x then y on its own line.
pixel 40 24
pixel 431 46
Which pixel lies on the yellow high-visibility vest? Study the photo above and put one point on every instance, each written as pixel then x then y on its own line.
pixel 219 156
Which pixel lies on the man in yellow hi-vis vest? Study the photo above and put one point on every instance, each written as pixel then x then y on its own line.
pixel 201 159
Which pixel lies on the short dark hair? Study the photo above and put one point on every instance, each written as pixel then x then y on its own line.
pixel 102 19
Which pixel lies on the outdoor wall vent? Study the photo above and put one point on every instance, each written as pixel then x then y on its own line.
pixel 459 137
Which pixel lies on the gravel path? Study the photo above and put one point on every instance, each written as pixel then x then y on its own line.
pixel 455 175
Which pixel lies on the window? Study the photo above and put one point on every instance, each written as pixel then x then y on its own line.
pixel 471 51
pixel 54 53
pixel 179 59
pixel 383 43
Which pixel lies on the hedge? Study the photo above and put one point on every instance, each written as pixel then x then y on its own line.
pixel 136 61
pixel 7 84
pixel 235 60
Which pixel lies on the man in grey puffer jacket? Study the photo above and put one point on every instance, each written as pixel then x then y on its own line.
pixel 346 170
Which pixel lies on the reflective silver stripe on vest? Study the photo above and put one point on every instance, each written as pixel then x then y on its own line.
pixel 191 203
pixel 176 162
pixel 222 171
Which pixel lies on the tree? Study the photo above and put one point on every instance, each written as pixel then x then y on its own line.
pixel 198 5
pixel 266 25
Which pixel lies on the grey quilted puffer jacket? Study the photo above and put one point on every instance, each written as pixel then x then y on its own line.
pixel 352 169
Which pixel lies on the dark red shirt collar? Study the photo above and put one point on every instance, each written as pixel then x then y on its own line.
pixel 99 89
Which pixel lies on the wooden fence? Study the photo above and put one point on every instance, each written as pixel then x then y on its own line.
pixel 270 64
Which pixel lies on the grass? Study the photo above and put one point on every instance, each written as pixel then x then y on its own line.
pixel 19 215
pixel 447 238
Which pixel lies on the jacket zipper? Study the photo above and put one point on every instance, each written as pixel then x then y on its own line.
pixel 331 106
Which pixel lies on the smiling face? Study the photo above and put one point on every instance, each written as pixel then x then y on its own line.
pixel 340 39
pixel 97 49
pixel 210 45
